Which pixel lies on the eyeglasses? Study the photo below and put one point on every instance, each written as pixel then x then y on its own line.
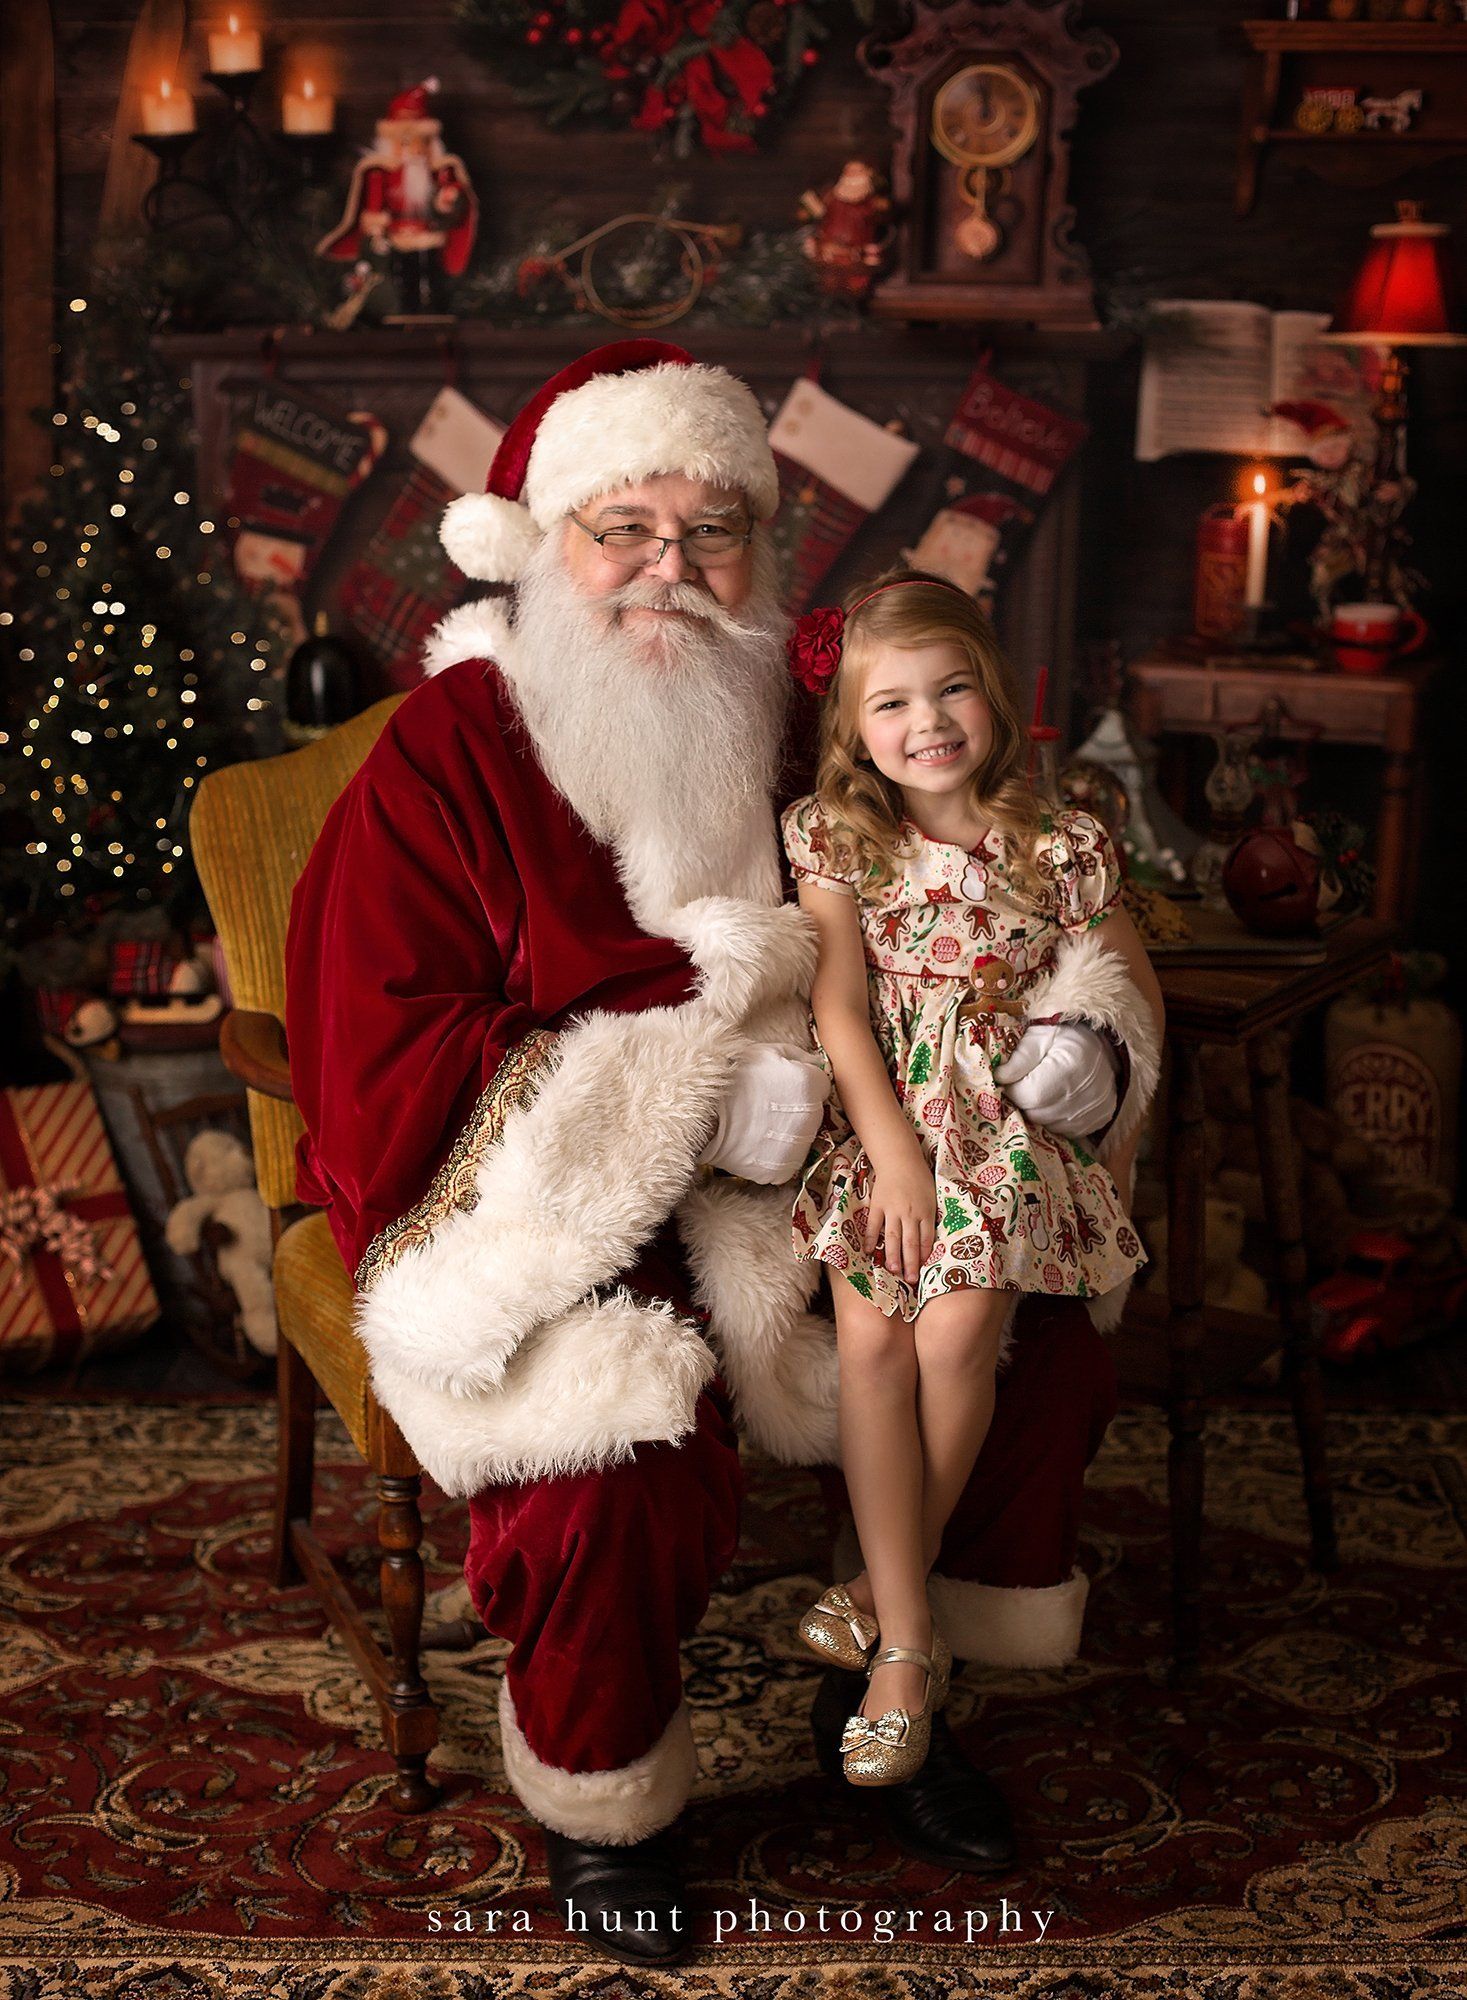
pixel 704 548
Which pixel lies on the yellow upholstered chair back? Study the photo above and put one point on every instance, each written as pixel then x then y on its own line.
pixel 252 827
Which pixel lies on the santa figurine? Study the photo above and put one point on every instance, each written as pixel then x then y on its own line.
pixel 412 201
pixel 850 237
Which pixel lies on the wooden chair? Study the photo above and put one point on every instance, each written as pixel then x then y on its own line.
pixel 252 827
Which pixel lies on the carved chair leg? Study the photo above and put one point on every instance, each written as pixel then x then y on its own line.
pixel 295 1468
pixel 409 1719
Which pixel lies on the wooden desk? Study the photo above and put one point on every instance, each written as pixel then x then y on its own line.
pixel 1174 696
pixel 1255 1008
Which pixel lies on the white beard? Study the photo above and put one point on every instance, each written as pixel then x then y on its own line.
pixel 667 745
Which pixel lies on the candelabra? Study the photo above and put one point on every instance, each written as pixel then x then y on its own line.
pixel 247 168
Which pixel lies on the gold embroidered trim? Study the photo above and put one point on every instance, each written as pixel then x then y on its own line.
pixel 454 1188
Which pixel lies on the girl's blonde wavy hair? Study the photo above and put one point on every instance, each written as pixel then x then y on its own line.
pixel 864 808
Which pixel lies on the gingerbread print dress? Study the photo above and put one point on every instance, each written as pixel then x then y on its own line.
pixel 952 946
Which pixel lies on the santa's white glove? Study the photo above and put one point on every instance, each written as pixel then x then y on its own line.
pixel 769 1117
pixel 1062 1075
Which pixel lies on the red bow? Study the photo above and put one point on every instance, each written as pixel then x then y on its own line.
pixel 814 647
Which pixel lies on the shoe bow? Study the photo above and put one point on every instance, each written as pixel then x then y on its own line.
pixel 889 1728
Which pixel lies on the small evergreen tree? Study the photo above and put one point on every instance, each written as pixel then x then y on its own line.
pixel 134 661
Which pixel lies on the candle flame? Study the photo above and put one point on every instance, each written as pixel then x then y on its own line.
pixel 165 88
pixel 308 89
pixel 234 24
pixel 1260 484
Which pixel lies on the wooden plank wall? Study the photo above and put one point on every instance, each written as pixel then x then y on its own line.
pixel 1154 162
pixel 1154 158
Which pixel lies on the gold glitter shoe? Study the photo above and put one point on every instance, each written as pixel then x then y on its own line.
pixel 893 1747
pixel 838 1630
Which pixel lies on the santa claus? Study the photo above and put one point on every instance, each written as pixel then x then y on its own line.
pixel 548 1032
pixel 412 201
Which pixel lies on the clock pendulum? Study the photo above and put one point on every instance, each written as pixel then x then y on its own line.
pixel 984 118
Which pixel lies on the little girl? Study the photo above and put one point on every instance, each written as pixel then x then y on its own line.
pixel 940 894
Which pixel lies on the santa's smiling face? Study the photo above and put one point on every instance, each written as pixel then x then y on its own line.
pixel 660 595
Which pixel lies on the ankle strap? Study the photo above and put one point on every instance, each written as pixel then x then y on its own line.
pixel 891 1656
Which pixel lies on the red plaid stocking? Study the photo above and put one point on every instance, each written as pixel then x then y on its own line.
pixel 403 583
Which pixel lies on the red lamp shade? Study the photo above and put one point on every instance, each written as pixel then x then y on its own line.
pixel 1403 293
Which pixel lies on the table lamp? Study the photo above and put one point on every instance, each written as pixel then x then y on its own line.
pixel 1403 295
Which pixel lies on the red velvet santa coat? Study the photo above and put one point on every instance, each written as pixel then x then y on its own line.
pixel 507 1080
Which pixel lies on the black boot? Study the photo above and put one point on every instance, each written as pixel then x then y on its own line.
pixel 951 1812
pixel 627 1901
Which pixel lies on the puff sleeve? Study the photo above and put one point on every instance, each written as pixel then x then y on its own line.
pixel 1079 859
pixel 808 844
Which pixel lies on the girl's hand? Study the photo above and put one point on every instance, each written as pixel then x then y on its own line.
pixel 902 1215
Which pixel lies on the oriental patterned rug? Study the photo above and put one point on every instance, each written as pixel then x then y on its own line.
pixel 192 1785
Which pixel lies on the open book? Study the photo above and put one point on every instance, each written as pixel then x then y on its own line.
pixel 1212 367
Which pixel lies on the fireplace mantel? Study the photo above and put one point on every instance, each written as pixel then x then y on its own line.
pixel 908 375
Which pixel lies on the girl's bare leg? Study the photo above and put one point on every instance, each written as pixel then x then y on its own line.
pixel 881 1452
pixel 957 1338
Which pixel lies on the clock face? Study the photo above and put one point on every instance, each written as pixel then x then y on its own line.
pixel 985 116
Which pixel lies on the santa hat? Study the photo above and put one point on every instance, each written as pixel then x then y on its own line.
pixel 408 112
pixel 619 415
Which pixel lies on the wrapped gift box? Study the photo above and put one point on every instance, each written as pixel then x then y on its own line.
pixel 52 1141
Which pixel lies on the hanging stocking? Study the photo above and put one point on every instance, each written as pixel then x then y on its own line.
pixel 1003 454
pixel 403 582
pixel 295 462
pixel 836 468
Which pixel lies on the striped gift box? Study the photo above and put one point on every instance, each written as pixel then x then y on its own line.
pixel 52 1137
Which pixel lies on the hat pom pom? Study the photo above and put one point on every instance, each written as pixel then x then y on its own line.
pixel 814 647
pixel 489 538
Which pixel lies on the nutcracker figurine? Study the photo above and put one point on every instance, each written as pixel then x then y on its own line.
pixel 849 237
pixel 412 202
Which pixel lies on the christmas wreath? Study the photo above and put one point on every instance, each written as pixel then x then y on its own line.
pixel 700 72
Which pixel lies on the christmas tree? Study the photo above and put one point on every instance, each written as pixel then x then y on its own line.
pixel 134 660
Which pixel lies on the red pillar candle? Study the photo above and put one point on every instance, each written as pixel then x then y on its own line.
pixel 1222 572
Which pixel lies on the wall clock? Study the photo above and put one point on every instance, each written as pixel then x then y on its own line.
pixel 984 98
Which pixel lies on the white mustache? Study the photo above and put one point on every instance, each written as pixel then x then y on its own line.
pixel 652 596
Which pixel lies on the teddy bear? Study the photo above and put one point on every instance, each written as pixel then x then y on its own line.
pixel 1228 1281
pixel 222 1175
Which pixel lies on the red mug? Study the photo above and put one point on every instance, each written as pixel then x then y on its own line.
pixel 1367 637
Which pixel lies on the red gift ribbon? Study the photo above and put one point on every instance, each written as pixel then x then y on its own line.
pixel 50 1268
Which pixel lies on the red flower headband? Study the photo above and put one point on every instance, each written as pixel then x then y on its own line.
pixel 816 640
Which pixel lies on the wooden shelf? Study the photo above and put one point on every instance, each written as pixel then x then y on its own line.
pixel 1427 38
pixel 1290 135
pixel 1314 53
pixel 883 346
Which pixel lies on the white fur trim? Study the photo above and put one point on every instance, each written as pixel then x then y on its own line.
pixel 476 631
pixel 1092 984
pixel 778 1359
pixel 612 1808
pixel 588 1170
pixel 617 430
pixel 581 1394
pixel 750 955
pixel 1007 1627
pixel 488 537
pixel 577 1183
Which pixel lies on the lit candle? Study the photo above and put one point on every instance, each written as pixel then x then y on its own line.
pixel 307 109
pixel 167 110
pixel 1257 572
pixel 236 52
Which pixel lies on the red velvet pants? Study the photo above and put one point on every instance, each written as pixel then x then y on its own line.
pixel 594 1578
